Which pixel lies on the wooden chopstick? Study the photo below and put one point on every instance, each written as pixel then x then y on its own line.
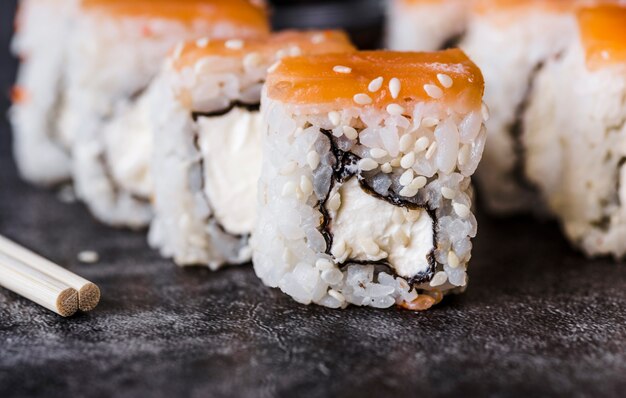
pixel 88 292
pixel 37 286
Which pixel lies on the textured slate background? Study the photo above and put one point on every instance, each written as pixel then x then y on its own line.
pixel 537 319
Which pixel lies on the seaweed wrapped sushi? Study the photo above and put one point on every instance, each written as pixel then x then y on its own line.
pixel 207 133
pixel 574 135
pixel 365 196
pixel 116 49
pixel 510 40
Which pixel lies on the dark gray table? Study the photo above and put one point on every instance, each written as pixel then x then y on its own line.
pixel 537 319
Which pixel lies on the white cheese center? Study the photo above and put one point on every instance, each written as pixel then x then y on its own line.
pixel 365 228
pixel 128 143
pixel 231 150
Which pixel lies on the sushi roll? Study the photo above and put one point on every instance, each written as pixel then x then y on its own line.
pixel 116 48
pixel 207 142
pixel 510 40
pixel 574 133
pixel 364 196
pixel 42 28
pixel 425 25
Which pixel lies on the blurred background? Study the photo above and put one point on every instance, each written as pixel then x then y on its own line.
pixel 362 19
pixel 7 68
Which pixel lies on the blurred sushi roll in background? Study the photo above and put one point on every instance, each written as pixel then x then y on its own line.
pixel 574 135
pixel 364 195
pixel 510 40
pixel 42 29
pixel 117 47
pixel 425 25
pixel 207 142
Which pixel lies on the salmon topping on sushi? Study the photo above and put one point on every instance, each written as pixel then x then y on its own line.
pixel 287 43
pixel 240 11
pixel 484 6
pixel 603 33
pixel 378 78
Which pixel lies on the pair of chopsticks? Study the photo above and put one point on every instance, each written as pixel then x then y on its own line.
pixel 43 282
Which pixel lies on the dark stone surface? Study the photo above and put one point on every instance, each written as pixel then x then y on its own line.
pixel 537 320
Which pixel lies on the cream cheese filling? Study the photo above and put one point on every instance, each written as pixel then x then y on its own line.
pixel 366 228
pixel 128 146
pixel 231 150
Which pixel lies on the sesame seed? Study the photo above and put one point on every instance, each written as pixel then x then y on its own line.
pixel 445 80
pixel 408 192
pixel 306 186
pixel 88 257
pixel 336 295
pixel 362 99
pixel 431 150
pixel 421 144
pixel 313 159
pixel 317 38
pixel 395 109
pixel 386 168
pixel 407 160
pixel 453 259
pixel 461 210
pixel 66 194
pixel 367 164
pixel 274 66
pixel 405 142
pixel 178 51
pixel 433 91
pixel 439 279
pixel 202 42
pixel 375 84
pixel 334 117
pixel 294 51
pixel 234 44
pixel 395 162
pixel 378 153
pixel 394 87
pixel 252 60
pixel 418 182
pixel 485 111
pixel 430 121
pixel 323 264
pixel 201 65
pixel 448 193
pixel 350 132
pixel 334 202
pixel 406 177
pixel 341 69
pixel 288 189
